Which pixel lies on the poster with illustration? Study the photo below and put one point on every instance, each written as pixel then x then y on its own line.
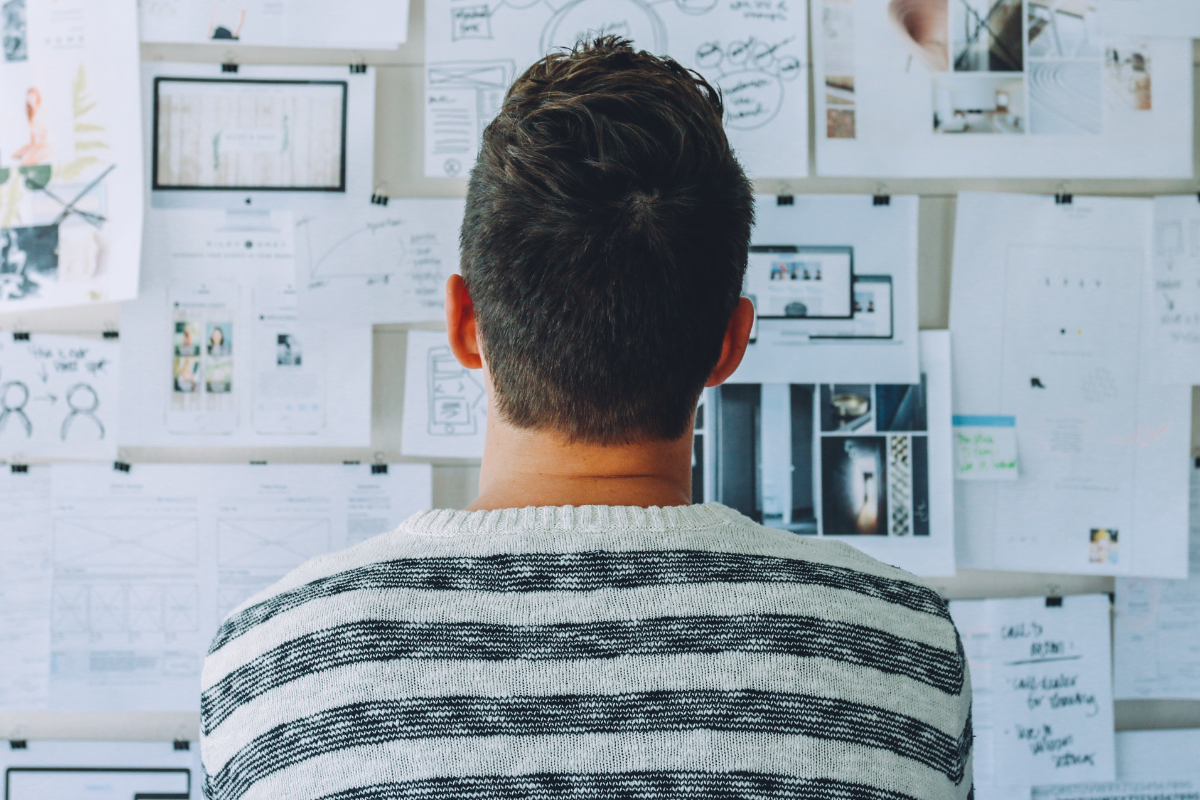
pixel 70 153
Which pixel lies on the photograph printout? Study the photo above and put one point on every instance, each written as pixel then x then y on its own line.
pixel 70 153
pixel 812 327
pixel 1173 324
pixel 867 463
pixel 1151 765
pixel 80 770
pixel 148 562
pixel 996 88
pixel 291 23
pixel 445 404
pixel 1045 313
pixel 218 352
pixel 754 53
pixel 377 264
pixel 1040 674
pixel 1156 631
pixel 1166 18
pixel 24 588
pixel 58 396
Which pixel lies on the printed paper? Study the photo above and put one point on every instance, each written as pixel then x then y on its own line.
pixel 70 154
pixel 291 23
pixel 1151 765
pixel 754 53
pixel 24 588
pixel 996 88
pixel 985 448
pixel 1042 710
pixel 218 352
pixel 378 264
pixel 102 771
pixel 867 464
pixel 1045 310
pixel 802 249
pixel 58 397
pixel 445 404
pixel 1173 284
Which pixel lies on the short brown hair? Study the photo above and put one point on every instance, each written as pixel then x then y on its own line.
pixel 605 240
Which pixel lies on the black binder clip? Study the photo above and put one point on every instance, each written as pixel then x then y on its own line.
pixel 785 200
pixel 120 466
pixel 19 469
pixel 881 200
pixel 230 67
pixel 1053 602
pixel 18 744
pixel 1063 199
pixel 112 334
pixel 182 744
pixel 20 336
pixel 358 69
pixel 379 469
pixel 379 199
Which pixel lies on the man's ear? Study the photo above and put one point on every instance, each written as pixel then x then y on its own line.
pixel 460 324
pixel 737 338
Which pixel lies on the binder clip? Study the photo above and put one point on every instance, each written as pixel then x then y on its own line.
pixel 18 744
pixel 120 466
pixel 358 69
pixel 20 336
pixel 112 334
pixel 229 68
pixel 19 469
pixel 182 744
pixel 881 200
pixel 1062 197
pixel 379 199
pixel 379 469
pixel 785 200
pixel 1053 602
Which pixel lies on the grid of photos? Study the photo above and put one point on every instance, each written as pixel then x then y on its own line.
pixel 830 459
pixel 203 360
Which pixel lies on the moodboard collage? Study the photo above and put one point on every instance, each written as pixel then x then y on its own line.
pixel 229 213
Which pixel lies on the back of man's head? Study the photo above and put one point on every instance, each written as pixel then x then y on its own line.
pixel 604 244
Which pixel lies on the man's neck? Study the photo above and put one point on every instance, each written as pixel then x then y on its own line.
pixel 535 468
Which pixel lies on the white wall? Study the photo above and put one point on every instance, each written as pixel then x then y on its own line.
pixel 398 167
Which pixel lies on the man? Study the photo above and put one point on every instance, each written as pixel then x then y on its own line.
pixel 581 631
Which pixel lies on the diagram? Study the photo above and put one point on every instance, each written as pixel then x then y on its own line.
pixel 270 543
pixel 456 400
pixel 122 608
pixel 125 542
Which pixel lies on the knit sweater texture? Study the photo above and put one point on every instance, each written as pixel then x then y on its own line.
pixel 589 653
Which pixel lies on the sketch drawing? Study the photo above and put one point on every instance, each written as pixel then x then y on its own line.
pixel 141 608
pixel 456 399
pixel 277 544
pixel 83 402
pixel 461 98
pixel 124 542
pixel 751 76
pixel 629 19
pixel 14 395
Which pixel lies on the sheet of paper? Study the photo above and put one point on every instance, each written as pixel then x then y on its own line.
pixel 102 771
pixel 58 397
pixel 755 53
pixel 1151 765
pixel 1173 284
pixel 379 264
pixel 1165 18
pixel 148 562
pixel 292 23
pixel 869 464
pixel 70 154
pixel 985 448
pixel 1045 313
pixel 1042 710
pixel 445 405
pixel 996 88
pixel 877 341
pixel 1157 627
pixel 24 588
pixel 216 349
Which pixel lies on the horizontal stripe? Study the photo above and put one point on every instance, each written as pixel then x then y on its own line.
pixel 579 572
pixel 549 608
pixel 984 422
pixel 623 786
pixel 370 640
pixel 408 678
pixel 702 751
pixel 746 711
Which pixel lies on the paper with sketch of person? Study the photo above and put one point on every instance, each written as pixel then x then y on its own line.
pixel 58 397
pixel 70 154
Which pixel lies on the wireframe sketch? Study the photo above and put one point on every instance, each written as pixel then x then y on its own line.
pixel 456 399
pixel 277 544
pixel 461 98
pixel 130 608
pixel 222 134
pixel 752 76
pixel 125 542
pixel 15 36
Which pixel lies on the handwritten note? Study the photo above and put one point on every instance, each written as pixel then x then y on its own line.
pixel 1043 712
pixel 985 448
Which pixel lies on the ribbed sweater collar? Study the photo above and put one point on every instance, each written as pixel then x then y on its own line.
pixel 446 522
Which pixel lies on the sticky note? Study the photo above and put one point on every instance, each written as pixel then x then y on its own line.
pixel 985 448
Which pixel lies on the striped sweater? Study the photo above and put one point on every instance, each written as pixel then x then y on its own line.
pixel 588 653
